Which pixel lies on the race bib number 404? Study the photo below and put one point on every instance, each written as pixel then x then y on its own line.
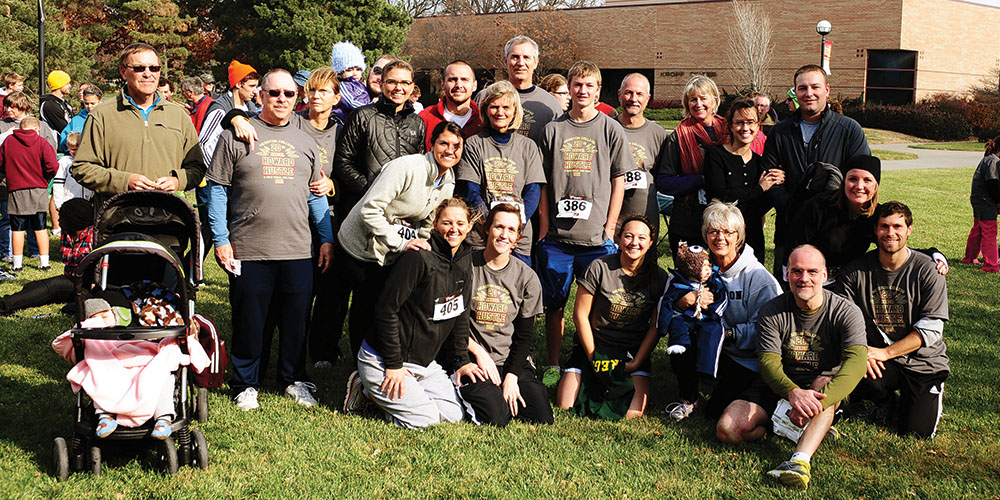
pixel 573 208
pixel 405 231
pixel 636 179
pixel 448 307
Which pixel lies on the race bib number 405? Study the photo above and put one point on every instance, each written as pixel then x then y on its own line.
pixel 573 208
pixel 636 179
pixel 448 307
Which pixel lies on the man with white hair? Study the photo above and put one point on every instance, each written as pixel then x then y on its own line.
pixel 646 139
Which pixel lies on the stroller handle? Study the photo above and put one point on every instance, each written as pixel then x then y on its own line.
pixel 126 333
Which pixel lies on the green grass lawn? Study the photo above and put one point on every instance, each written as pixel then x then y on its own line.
pixel 880 136
pixel 669 125
pixel 953 146
pixel 884 154
pixel 287 451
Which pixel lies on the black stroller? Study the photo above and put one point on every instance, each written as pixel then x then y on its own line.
pixel 142 236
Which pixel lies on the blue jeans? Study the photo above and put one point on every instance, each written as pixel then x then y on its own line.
pixel 250 295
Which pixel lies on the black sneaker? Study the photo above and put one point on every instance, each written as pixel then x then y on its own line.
pixel 17 269
pixel 45 268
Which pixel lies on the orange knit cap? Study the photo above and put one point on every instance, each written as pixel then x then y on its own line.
pixel 238 71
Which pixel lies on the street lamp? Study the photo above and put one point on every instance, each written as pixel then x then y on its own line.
pixel 824 28
pixel 41 49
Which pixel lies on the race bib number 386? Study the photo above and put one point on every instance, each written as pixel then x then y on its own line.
pixel 448 307
pixel 573 208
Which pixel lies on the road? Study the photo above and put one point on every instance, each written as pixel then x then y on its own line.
pixel 929 158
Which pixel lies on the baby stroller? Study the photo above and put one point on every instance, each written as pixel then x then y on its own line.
pixel 142 235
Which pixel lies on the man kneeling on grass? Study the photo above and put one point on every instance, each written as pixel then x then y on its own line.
pixel 812 352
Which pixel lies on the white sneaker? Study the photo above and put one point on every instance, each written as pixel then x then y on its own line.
pixel 355 393
pixel 680 410
pixel 301 392
pixel 247 400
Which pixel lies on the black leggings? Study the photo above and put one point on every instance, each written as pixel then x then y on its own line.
pixel 365 281
pixel 54 290
pixel 485 403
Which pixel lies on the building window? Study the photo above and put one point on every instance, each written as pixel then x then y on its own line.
pixel 891 76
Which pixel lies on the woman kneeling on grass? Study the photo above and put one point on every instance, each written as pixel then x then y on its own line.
pixel 506 298
pixel 424 304
pixel 615 316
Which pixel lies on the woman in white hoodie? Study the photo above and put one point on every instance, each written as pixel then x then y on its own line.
pixel 749 286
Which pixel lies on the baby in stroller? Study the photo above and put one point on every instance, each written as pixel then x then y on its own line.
pixel 132 381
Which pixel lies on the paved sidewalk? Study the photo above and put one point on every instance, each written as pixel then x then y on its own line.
pixel 928 158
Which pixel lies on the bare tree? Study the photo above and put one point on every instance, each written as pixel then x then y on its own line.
pixel 419 8
pixel 750 46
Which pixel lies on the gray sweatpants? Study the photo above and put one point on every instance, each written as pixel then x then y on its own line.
pixel 429 396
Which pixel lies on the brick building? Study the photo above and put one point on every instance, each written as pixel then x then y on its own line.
pixel 894 51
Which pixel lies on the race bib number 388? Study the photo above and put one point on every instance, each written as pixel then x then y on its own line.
pixel 635 179
pixel 573 208
pixel 448 307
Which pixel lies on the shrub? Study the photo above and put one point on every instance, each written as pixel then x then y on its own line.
pixel 922 120
pixel 664 114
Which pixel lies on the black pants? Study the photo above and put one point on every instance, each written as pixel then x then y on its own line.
pixel 733 379
pixel 683 366
pixel 54 290
pixel 919 407
pixel 485 403
pixel 329 312
pixel 365 281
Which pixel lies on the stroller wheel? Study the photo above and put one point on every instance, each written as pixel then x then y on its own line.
pixel 168 456
pixel 200 448
pixel 202 402
pixel 95 460
pixel 60 459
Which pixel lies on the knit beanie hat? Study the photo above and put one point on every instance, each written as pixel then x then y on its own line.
pixel 867 163
pixel 58 79
pixel 346 55
pixel 238 71
pixel 76 214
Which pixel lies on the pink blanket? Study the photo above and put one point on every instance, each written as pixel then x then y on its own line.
pixel 124 377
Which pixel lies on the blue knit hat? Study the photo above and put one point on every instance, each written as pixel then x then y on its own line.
pixel 346 55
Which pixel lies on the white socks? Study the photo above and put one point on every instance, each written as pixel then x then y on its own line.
pixel 801 455
pixel 43 260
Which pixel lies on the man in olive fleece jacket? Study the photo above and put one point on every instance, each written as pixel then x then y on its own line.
pixel 813 351
pixel 139 141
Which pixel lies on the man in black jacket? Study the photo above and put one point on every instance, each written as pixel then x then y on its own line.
pixel 814 133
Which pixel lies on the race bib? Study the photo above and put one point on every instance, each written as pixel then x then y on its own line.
pixel 510 201
pixel 636 179
pixel 573 208
pixel 405 231
pixel 448 307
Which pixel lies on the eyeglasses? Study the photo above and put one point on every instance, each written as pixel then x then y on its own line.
pixel 748 123
pixel 392 83
pixel 275 93
pixel 142 69
pixel 712 233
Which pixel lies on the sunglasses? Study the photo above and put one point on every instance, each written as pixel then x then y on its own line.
pixel 288 93
pixel 142 69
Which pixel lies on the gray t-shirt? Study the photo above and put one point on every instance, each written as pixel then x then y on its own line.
pixel 646 142
pixel 894 301
pixel 326 139
pixel 984 207
pixel 623 305
pixel 498 298
pixel 268 191
pixel 580 160
pixel 540 108
pixel 502 171
pixel 810 345
pixel 808 130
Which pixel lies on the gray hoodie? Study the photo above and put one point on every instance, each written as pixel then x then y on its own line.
pixel 749 286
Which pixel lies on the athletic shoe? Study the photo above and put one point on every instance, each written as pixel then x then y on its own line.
pixel 57 231
pixel 162 429
pixel 16 270
pixel 4 275
pixel 105 426
pixel 680 410
pixel 355 396
pixel 7 259
pixel 322 364
pixel 45 268
pixel 551 376
pixel 247 400
pixel 792 473
pixel 301 392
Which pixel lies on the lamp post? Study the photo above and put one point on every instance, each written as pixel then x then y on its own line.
pixel 41 49
pixel 824 28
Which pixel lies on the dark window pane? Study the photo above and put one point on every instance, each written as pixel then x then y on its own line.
pixel 884 96
pixel 889 78
pixel 892 59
